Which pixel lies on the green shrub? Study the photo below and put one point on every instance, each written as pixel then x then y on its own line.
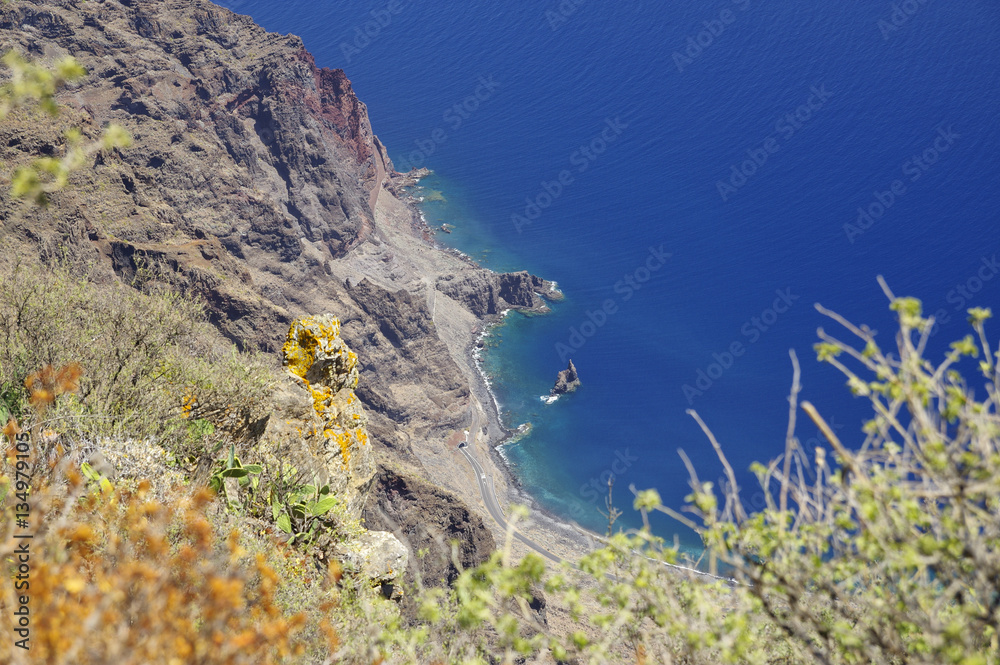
pixel 32 87
pixel 152 368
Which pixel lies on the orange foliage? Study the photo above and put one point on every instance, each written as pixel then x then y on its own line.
pixel 11 430
pixel 128 580
pixel 48 383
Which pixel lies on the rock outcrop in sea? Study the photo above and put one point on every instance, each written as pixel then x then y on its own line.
pixel 487 293
pixel 566 382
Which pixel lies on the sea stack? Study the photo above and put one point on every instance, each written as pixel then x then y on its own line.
pixel 567 381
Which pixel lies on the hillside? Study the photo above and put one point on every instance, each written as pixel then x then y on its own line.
pixel 255 186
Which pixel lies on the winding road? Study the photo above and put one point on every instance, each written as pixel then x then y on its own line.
pixel 489 493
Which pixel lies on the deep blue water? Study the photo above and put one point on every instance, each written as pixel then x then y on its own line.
pixel 834 102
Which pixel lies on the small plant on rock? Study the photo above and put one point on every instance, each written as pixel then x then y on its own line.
pixel 245 476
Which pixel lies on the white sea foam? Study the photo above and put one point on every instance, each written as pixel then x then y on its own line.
pixel 477 357
pixel 502 451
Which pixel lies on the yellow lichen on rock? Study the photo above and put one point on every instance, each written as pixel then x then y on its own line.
pixel 320 424
pixel 315 353
pixel 298 351
pixel 311 337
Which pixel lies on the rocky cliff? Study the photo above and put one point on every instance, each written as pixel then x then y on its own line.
pixel 256 185
pixel 427 520
pixel 319 427
pixel 486 293
pixel 318 422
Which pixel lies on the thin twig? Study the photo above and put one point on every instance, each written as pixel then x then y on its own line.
pixel 793 400
pixel 828 433
pixel 864 334
pixel 885 288
pixel 740 514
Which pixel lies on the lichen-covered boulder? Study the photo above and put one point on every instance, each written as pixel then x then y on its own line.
pixel 377 555
pixel 315 352
pixel 318 424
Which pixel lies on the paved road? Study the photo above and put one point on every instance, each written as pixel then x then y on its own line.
pixel 489 495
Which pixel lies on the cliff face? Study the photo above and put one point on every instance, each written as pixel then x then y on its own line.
pixel 486 293
pixel 256 186
pixel 219 106
pixel 426 519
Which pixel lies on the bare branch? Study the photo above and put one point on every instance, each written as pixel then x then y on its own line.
pixel 740 514
pixel 847 458
pixel 790 442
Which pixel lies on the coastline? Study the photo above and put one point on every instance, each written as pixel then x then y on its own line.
pixel 517 493
pixel 551 529
pixel 560 536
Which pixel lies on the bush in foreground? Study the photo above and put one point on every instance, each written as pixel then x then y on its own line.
pixel 149 365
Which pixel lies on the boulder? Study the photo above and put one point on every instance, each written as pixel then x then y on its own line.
pixel 379 557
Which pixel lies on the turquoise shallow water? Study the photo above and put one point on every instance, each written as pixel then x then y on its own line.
pixel 783 153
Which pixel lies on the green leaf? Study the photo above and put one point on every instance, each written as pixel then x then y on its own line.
pixel 90 473
pixel 116 136
pixel 825 351
pixel 284 523
pixel 647 500
pixel 234 473
pixel 907 306
pixel 966 346
pixel 254 468
pixel 68 69
pixel 199 427
pixel 25 182
pixel 979 314
pixel 322 507
pixel 275 505
pixel 232 456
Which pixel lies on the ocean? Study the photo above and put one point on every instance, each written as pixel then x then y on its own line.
pixel 695 176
